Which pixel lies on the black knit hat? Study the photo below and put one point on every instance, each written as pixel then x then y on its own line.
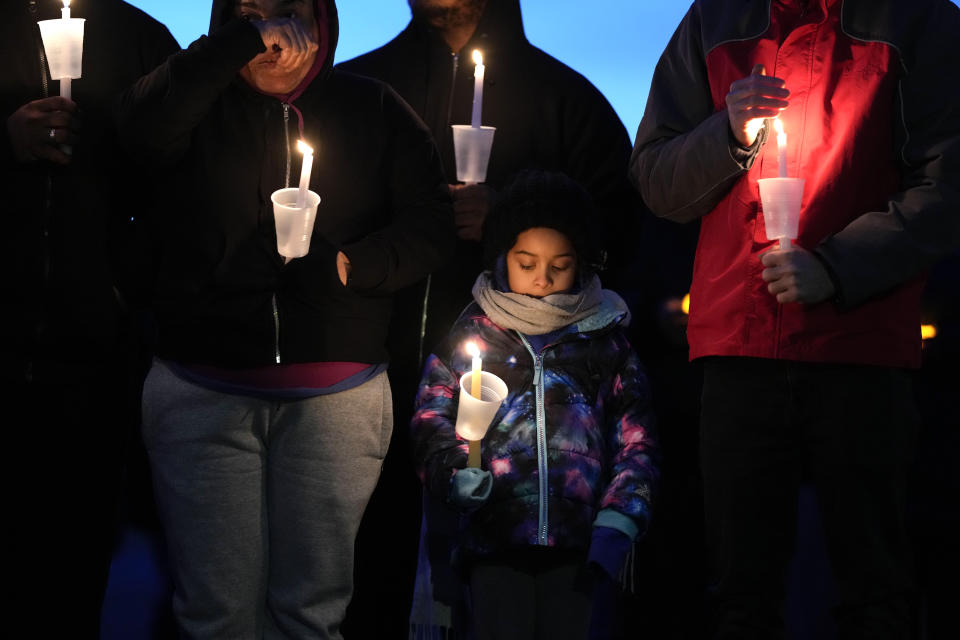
pixel 537 198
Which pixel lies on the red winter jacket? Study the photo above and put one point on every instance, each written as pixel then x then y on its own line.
pixel 874 129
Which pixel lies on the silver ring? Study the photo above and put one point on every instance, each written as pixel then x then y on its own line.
pixel 53 134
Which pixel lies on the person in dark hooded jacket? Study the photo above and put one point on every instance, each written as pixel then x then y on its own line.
pixel 69 361
pixel 267 413
pixel 547 116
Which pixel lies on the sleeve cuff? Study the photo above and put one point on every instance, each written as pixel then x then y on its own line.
pixel 616 520
pixel 838 298
pixel 745 156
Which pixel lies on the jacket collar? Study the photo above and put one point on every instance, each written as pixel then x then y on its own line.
pixel 500 27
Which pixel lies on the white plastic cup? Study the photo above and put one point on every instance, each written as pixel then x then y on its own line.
pixel 780 198
pixel 474 414
pixel 294 224
pixel 63 46
pixel 471 146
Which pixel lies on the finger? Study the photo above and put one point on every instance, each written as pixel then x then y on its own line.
pixel 58 119
pixel 772 257
pixel 758 70
pixel 54 103
pixel 758 99
pixel 51 153
pixel 790 295
pixel 769 83
pixel 770 275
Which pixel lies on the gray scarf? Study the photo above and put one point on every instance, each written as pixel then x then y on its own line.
pixel 592 308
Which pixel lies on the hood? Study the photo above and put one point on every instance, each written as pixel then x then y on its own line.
pixel 500 23
pixel 326 14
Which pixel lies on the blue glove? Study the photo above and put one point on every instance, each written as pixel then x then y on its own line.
pixel 470 488
pixel 608 550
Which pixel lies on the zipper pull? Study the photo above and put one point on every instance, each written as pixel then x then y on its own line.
pixel 537 371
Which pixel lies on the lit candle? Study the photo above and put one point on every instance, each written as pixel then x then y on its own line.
pixel 477 368
pixel 477 88
pixel 305 171
pixel 781 148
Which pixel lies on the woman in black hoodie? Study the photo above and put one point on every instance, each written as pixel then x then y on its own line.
pixel 267 412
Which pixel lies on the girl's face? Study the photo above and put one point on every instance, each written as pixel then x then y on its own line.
pixel 542 261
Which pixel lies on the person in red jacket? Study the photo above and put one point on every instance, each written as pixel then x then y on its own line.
pixel 807 351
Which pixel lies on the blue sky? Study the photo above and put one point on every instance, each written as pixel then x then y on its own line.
pixel 615 44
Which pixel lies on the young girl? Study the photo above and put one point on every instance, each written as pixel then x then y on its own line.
pixel 568 466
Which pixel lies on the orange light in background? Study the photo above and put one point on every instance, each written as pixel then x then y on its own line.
pixel 928 331
pixel 685 305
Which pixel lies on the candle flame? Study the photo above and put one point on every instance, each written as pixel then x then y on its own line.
pixel 66 4
pixel 685 304
pixel 473 349
pixel 781 135
pixel 928 331
pixel 477 56
pixel 304 147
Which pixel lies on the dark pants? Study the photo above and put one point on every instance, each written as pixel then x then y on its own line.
pixel 62 479
pixel 769 425
pixel 540 595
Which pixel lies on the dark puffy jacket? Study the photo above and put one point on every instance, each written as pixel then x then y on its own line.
pixel 66 229
pixel 873 130
pixel 224 295
pixel 547 116
pixel 572 437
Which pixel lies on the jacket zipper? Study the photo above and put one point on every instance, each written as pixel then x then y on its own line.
pixel 542 514
pixel 286 183
pixel 455 57
pixel 34 9
pixel 453 83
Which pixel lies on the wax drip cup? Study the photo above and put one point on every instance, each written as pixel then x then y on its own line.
pixel 294 224
pixel 781 199
pixel 471 146
pixel 63 46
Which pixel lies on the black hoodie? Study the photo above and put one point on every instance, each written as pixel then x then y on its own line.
pixel 64 227
pixel 224 295
pixel 547 116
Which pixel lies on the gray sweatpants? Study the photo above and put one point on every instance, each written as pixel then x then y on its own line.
pixel 261 501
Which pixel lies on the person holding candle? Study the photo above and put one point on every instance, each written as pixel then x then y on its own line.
pixel 570 462
pixel 546 115
pixel 70 364
pixel 267 412
pixel 807 353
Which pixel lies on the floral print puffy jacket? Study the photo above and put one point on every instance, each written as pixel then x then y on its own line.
pixel 572 437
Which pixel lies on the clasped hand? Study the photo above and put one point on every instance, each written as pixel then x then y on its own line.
pixel 796 275
pixel 39 128
pixel 288 39
pixel 751 100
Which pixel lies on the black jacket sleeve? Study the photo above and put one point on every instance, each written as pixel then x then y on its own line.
pixel 157 115
pixel 421 235
pixel 921 223
pixel 683 162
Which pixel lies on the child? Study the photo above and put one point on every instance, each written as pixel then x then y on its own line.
pixel 568 465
